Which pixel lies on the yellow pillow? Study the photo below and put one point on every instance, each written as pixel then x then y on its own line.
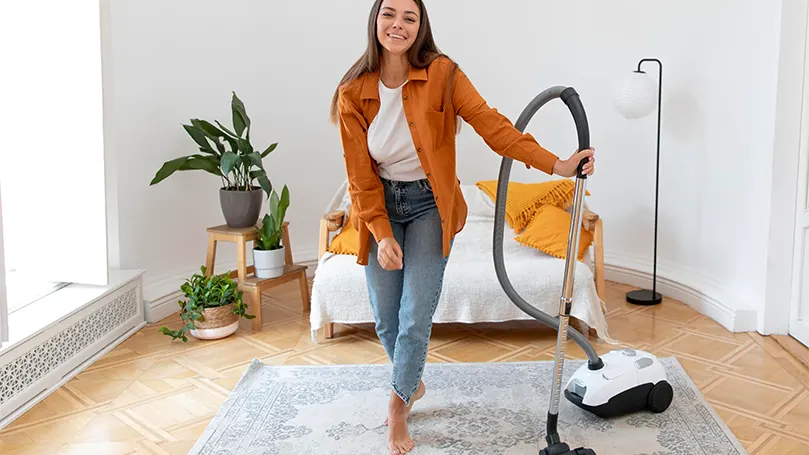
pixel 548 232
pixel 347 240
pixel 525 198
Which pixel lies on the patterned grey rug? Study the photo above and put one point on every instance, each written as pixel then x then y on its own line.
pixel 480 408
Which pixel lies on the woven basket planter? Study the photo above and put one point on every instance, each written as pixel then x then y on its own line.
pixel 220 322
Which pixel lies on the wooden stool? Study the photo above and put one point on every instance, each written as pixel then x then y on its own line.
pixel 245 274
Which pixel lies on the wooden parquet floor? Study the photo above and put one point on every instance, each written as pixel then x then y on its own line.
pixel 154 396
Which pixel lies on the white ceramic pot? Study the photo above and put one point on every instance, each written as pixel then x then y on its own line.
pixel 216 332
pixel 219 323
pixel 269 263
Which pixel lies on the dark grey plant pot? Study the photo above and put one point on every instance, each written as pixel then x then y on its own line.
pixel 241 208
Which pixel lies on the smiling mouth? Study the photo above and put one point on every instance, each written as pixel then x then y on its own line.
pixel 396 37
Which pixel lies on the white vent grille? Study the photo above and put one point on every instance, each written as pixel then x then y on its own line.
pixel 28 368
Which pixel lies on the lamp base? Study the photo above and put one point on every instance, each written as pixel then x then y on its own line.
pixel 643 297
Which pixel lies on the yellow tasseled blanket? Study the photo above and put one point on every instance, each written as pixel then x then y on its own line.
pixel 524 199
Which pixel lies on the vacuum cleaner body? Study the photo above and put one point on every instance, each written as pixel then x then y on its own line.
pixel 630 381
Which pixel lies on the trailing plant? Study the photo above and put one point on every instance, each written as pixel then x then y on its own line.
pixel 203 292
pixel 270 231
pixel 239 167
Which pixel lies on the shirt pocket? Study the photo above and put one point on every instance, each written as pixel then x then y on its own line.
pixel 441 130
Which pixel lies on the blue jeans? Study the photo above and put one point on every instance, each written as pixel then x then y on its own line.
pixel 404 301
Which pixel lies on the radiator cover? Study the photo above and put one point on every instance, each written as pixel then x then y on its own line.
pixel 32 370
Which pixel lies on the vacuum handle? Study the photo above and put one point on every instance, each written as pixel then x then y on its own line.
pixel 573 101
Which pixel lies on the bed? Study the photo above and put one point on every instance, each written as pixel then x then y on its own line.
pixel 471 293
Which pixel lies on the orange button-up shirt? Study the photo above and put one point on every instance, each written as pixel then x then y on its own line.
pixel 433 130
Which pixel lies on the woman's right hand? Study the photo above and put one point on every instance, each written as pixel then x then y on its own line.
pixel 389 254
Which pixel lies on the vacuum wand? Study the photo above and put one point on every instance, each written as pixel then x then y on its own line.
pixel 555 446
pixel 561 323
pixel 566 300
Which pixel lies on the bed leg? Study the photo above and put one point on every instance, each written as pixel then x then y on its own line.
pixel 329 330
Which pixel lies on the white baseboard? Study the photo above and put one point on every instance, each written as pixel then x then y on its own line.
pixel 701 295
pixel 161 295
pixel 163 307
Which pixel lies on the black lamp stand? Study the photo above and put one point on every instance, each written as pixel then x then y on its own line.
pixel 645 296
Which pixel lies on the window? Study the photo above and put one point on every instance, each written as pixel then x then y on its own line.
pixel 52 179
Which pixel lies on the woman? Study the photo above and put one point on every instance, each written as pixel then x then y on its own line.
pixel 397 109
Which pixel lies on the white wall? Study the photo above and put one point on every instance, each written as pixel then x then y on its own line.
pixel 181 59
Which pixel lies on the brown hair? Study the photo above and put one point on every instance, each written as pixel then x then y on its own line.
pixel 421 54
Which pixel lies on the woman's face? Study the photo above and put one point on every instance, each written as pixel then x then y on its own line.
pixel 398 25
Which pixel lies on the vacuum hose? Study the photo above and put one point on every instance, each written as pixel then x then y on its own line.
pixel 571 99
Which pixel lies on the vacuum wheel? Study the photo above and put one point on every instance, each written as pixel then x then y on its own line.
pixel 660 397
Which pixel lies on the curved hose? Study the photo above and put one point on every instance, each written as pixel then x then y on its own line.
pixel 567 95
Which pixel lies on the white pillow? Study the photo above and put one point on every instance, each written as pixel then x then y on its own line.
pixel 479 203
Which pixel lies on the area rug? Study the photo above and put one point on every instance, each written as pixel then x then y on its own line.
pixel 469 408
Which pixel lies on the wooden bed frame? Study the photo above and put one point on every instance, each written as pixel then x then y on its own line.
pixel 333 221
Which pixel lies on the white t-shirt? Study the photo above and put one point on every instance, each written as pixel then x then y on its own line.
pixel 389 139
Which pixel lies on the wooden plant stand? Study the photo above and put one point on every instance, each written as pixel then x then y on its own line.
pixel 245 275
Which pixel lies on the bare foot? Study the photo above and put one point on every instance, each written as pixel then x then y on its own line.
pixel 416 397
pixel 399 440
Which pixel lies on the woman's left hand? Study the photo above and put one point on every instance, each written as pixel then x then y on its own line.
pixel 568 167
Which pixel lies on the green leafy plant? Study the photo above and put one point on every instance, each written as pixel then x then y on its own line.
pixel 203 292
pixel 239 167
pixel 270 230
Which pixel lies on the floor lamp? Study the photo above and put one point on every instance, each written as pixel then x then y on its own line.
pixel 636 99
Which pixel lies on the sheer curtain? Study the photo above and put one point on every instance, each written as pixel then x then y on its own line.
pixel 3 301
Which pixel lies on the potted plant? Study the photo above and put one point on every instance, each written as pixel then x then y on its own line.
pixel 211 309
pixel 268 251
pixel 229 155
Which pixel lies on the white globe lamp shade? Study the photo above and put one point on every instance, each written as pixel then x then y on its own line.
pixel 637 97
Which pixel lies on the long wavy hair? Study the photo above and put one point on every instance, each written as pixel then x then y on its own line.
pixel 423 52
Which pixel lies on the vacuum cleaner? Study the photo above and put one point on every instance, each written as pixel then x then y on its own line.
pixel 623 381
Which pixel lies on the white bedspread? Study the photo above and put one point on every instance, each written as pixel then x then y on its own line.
pixel 472 292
